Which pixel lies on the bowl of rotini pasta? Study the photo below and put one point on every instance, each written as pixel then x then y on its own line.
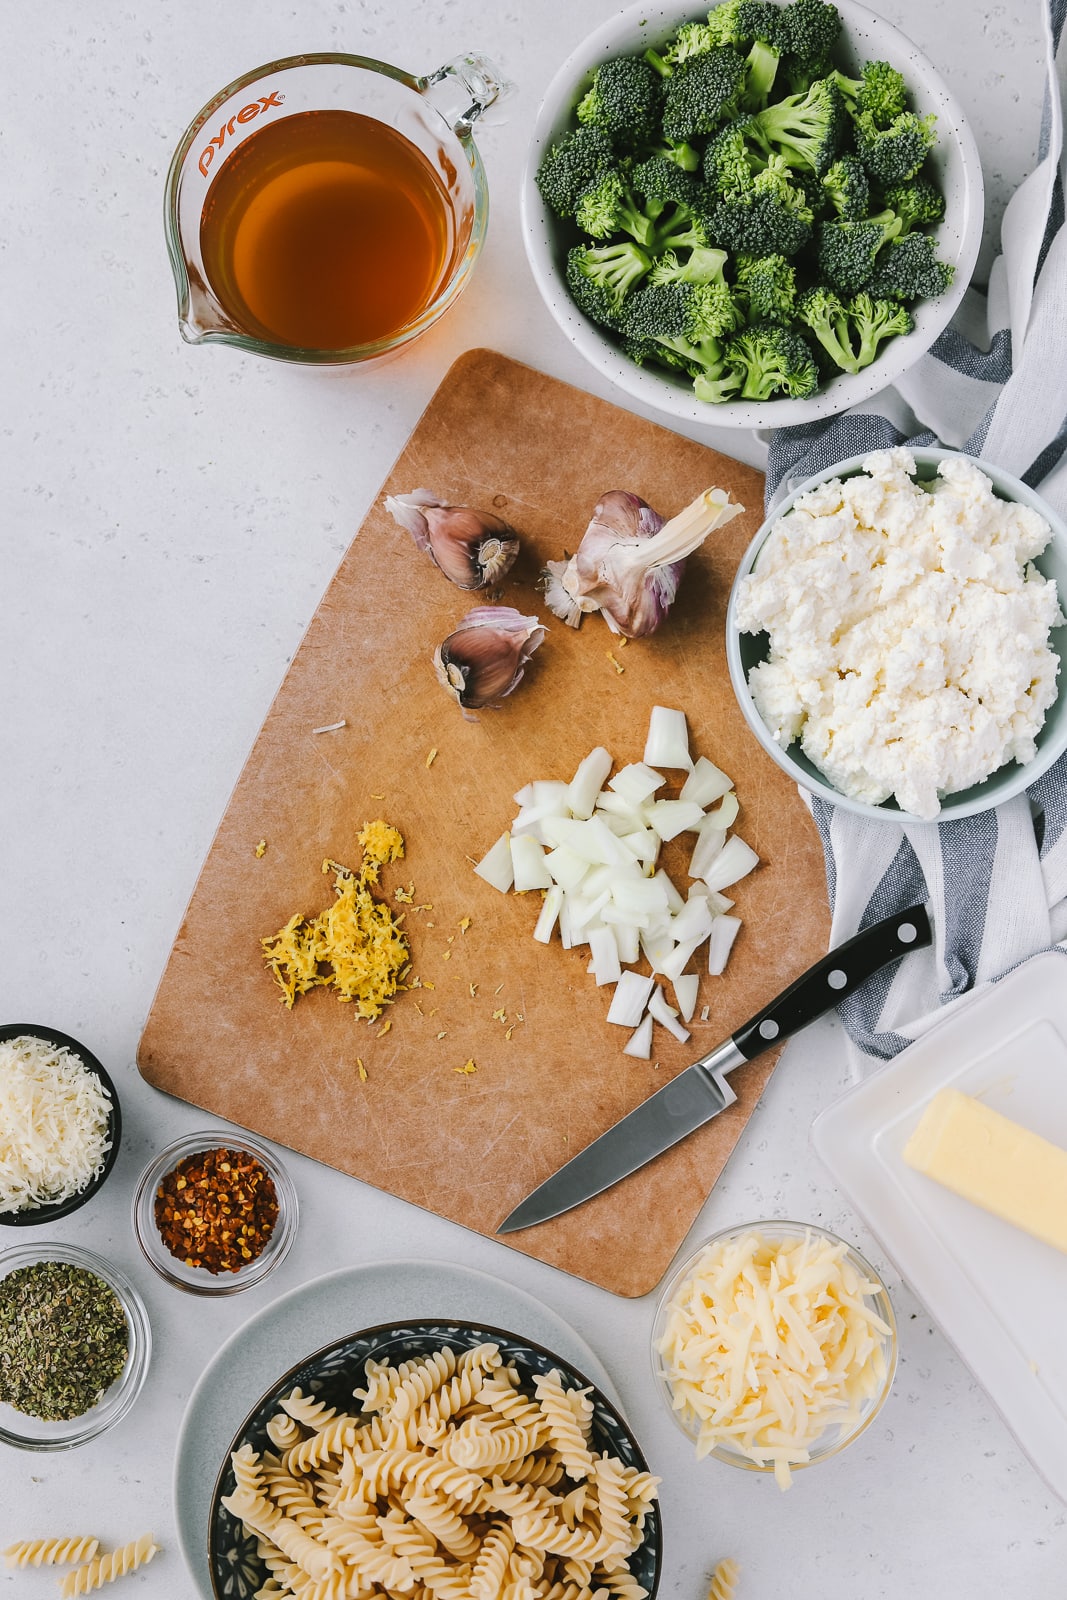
pixel 442 1458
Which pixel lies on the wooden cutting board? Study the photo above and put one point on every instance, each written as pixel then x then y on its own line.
pixel 549 1073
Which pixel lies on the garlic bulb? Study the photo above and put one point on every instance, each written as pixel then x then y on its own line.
pixel 630 562
pixel 472 548
pixel 484 659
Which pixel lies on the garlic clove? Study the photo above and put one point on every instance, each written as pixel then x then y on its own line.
pixel 472 548
pixel 483 660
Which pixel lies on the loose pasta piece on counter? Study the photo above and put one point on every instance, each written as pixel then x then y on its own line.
pixel 106 1568
pixel 724 1580
pixel 50 1552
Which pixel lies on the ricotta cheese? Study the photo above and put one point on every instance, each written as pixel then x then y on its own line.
pixel 909 631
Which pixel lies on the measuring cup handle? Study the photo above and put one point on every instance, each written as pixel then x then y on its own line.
pixel 464 88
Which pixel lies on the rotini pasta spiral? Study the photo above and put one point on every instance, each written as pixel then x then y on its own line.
pixel 106 1568
pixel 724 1580
pixel 50 1552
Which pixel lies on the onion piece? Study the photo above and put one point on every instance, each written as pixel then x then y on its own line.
pixel 524 796
pixel 629 1000
pixel 709 844
pixel 566 868
pixel 549 912
pixel 605 963
pixel 585 911
pixel 589 838
pixel 693 921
pixel 734 861
pixel 587 782
pixel 669 818
pixel 640 1041
pixel 637 783
pixel 667 744
pixel 725 815
pixel 659 1008
pixel 528 862
pixel 675 903
pixel 496 865
pixel 644 897
pixel 613 805
pixel 705 784
pixel 723 934
pixel 643 844
pixel 618 918
pixel 680 956
pixel 685 992
pixel 628 939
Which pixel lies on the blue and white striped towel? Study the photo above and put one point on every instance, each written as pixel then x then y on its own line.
pixel 994 385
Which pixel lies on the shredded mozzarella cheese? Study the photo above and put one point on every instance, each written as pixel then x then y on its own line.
pixel 768 1343
pixel 53 1124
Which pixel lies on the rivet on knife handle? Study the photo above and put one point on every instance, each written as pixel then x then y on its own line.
pixel 834 978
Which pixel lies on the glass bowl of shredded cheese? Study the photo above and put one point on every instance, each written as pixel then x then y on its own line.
pixel 774 1346
pixel 60 1125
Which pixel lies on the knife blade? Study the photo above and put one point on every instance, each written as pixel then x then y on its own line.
pixel 701 1091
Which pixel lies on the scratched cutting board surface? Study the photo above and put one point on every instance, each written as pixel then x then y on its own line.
pixel 470 1145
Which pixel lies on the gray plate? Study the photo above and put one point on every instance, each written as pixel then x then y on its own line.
pixel 313 1315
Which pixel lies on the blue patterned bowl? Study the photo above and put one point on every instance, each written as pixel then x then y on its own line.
pixel 331 1374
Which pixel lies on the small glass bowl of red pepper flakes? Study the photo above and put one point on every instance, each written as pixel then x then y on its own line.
pixel 215 1212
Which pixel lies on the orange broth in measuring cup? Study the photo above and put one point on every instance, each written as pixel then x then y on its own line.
pixel 326 230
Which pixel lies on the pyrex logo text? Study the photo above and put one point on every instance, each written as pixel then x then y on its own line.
pixel 246 114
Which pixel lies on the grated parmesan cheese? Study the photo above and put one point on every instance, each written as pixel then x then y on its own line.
pixel 54 1116
pixel 768 1343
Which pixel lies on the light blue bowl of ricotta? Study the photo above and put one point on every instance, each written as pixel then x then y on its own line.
pixel 746 650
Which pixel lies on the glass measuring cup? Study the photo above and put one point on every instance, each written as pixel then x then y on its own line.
pixel 435 114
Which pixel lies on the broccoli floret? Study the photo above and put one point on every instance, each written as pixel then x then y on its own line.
pixel 609 206
pixel 879 90
pixel 692 39
pixel 805 130
pixel 810 30
pixel 683 154
pixel 699 266
pixel 918 203
pixel 684 319
pixel 744 22
pixel 848 251
pixel 876 320
pixel 771 217
pixel 847 188
pixel 769 359
pixel 703 93
pixel 761 67
pixel 822 311
pixel 599 279
pixel 767 288
pixel 663 185
pixel 730 160
pixel 894 154
pixel 625 99
pixel 571 165
pixel 910 270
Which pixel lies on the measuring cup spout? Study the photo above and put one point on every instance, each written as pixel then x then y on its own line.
pixel 465 88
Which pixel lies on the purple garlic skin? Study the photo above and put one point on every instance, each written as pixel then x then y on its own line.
pixel 483 660
pixel 603 576
pixel 472 548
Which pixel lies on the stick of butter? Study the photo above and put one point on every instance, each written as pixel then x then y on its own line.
pixel 994 1163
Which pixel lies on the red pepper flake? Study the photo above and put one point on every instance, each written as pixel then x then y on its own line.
pixel 217 1210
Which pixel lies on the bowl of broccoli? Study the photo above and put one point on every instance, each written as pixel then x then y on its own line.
pixel 753 217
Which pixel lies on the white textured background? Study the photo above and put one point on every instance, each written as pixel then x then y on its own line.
pixel 169 520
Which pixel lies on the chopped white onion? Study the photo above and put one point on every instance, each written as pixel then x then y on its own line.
pixel 640 1041
pixel 675 903
pixel 734 861
pixel 528 861
pixel 590 839
pixel 629 1000
pixel 705 784
pixel 644 897
pixel 680 957
pixel 723 934
pixel 628 939
pixel 667 744
pixel 636 783
pixel 613 805
pixel 659 1008
pixel 495 866
pixel 566 868
pixel 643 844
pixel 709 843
pixel 705 1013
pixel 725 814
pixel 669 818
pixel 605 964
pixel 685 992
pixel 549 912
pixel 524 796
pixel 585 910
pixel 588 781
pixel 693 921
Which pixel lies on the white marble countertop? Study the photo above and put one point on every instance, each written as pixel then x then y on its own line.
pixel 171 517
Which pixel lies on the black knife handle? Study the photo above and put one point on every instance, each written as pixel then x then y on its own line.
pixel 834 978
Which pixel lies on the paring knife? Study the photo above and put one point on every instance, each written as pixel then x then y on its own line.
pixel 701 1091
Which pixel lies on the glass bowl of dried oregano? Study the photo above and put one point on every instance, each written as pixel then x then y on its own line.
pixel 75 1344
pixel 215 1212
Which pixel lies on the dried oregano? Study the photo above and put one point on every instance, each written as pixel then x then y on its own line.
pixel 63 1340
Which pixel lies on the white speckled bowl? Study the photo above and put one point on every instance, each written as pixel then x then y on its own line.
pixel 954 159
pixel 745 650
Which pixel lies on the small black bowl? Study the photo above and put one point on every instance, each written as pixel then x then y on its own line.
pixel 63 1208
